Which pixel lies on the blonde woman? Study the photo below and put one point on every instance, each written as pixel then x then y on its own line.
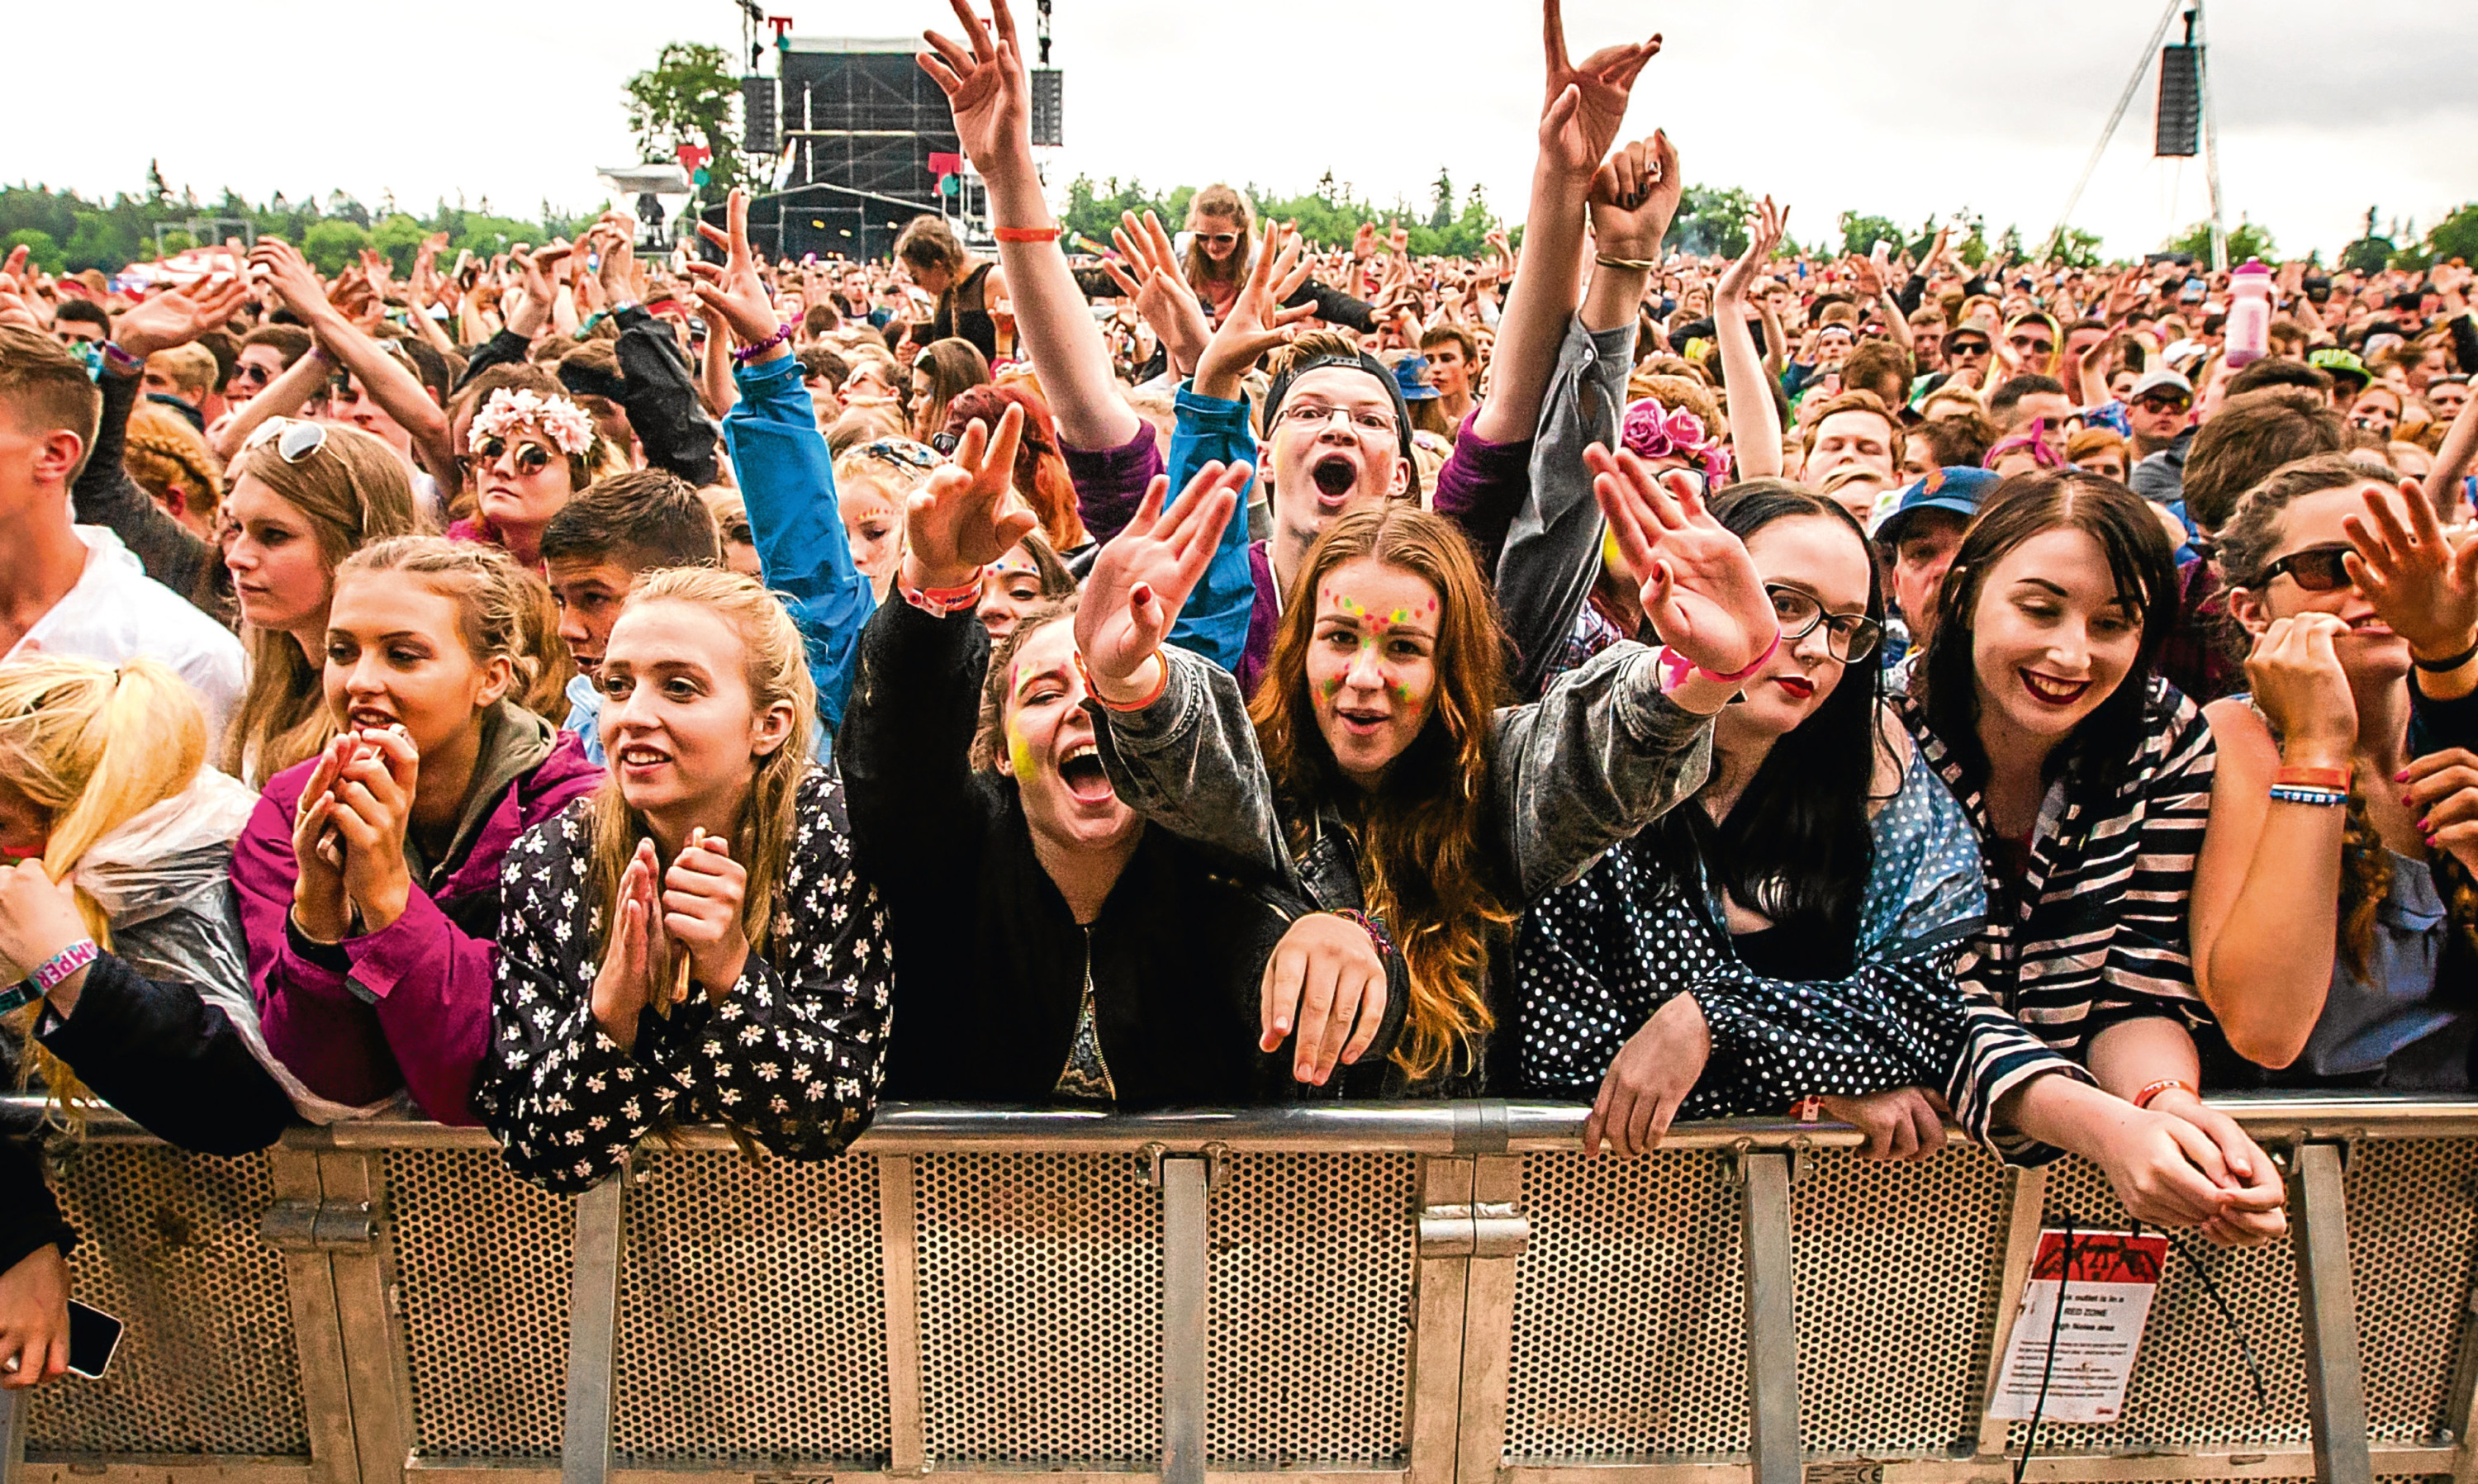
pixel 369 875
pixel 690 945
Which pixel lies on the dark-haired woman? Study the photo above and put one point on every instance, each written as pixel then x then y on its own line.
pixel 2329 929
pixel 2089 780
pixel 1377 766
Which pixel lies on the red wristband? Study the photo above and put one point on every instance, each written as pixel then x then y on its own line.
pixel 2143 1098
pixel 944 601
pixel 1147 699
pixel 1027 234
pixel 2333 778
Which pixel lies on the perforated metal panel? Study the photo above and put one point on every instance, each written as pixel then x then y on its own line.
pixel 1628 1312
pixel 1308 1353
pixel 1040 1311
pixel 753 1316
pixel 1914 1251
pixel 2189 1387
pixel 483 1261
pixel 168 1242
pixel 2413 1242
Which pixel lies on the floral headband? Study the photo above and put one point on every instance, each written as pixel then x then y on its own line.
pixel 1654 432
pixel 568 426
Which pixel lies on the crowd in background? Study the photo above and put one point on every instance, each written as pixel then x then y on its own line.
pixel 603 687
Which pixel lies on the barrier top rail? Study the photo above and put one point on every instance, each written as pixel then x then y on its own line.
pixel 1464 1127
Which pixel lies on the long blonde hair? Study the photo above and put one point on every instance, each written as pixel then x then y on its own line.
pixel 352 491
pixel 94 746
pixel 487 587
pixel 778 671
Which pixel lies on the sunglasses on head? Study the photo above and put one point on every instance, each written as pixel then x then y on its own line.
pixel 899 450
pixel 531 458
pixel 295 438
pixel 2315 570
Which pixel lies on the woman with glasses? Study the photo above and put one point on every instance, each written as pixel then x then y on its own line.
pixel 2334 911
pixel 305 497
pixel 1801 915
pixel 1222 246
pixel 531 450
pixel 2088 779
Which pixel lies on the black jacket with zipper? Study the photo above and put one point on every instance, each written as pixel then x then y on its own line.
pixel 990 964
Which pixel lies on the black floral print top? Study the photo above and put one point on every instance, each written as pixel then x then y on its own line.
pixel 792 1054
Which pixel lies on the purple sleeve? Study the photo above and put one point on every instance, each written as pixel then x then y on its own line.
pixel 314 1025
pixel 1481 487
pixel 1110 482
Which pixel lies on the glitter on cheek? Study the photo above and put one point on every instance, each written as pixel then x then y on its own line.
pixel 1330 685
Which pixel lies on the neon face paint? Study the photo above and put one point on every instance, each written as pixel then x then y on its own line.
pixel 1372 632
pixel 1020 754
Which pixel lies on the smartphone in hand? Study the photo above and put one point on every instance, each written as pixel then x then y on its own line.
pixel 94 1336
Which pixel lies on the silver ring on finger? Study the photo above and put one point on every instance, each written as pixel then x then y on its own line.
pixel 10 1365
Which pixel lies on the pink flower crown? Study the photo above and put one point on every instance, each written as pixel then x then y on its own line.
pixel 1654 432
pixel 568 426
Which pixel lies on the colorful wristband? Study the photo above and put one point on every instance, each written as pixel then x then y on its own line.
pixel 1160 685
pixel 1027 234
pixel 2312 778
pixel 2321 798
pixel 1376 935
pixel 54 972
pixel 747 353
pixel 944 601
pixel 121 361
pixel 2142 1099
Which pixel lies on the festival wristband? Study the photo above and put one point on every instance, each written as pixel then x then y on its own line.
pixel 752 351
pixel 2444 667
pixel 2312 778
pixel 2151 1091
pixel 1630 264
pixel 1376 935
pixel 1027 234
pixel 943 601
pixel 2321 798
pixel 121 361
pixel 1161 683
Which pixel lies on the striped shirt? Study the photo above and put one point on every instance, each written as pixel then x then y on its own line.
pixel 2094 931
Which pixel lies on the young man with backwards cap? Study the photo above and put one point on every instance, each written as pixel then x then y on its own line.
pixel 1919 539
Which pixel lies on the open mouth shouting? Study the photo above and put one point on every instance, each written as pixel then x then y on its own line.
pixel 1336 476
pixel 1080 771
pixel 2049 690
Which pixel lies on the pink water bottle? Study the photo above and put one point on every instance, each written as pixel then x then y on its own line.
pixel 2249 313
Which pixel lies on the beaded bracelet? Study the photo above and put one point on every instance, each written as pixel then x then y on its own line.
pixel 1376 934
pixel 2321 798
pixel 750 352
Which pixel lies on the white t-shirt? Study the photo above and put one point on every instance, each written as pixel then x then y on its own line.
pixel 118 613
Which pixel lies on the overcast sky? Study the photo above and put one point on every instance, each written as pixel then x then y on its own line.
pixel 1896 108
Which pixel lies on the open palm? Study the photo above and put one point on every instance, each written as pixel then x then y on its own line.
pixel 1576 134
pixel 953 527
pixel 985 85
pixel 1143 578
pixel 1764 228
pixel 1701 589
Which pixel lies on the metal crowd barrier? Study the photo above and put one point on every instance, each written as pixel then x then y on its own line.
pixel 1441 1293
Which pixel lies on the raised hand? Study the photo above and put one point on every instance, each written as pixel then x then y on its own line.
pixel 18 297
pixel 632 957
pixel 2421 585
pixel 1700 588
pixel 1634 195
pixel 1765 225
pixel 1258 322
pixel 985 85
pixel 373 808
pixel 733 292
pixel 2302 691
pixel 179 316
pixel 702 898
pixel 291 277
pixel 1144 576
pixel 1156 284
pixel 1584 107
pixel 1327 979
pixel 953 526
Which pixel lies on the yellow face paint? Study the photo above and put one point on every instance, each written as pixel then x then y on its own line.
pixel 1020 754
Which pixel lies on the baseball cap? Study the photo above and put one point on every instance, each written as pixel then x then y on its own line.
pixel 1280 388
pixel 2186 353
pixel 2340 363
pixel 1407 372
pixel 2162 379
pixel 1954 487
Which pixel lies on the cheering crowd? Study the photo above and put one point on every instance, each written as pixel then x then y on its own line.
pixel 580 693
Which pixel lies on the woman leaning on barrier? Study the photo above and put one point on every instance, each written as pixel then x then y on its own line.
pixel 2088 778
pixel 1054 946
pixel 1376 767
pixel 2334 908
pixel 690 944
pixel 370 875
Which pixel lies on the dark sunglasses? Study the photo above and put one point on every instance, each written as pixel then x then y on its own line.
pixel 1967 348
pixel 2315 570
pixel 1218 239
pixel 2031 345
pixel 255 376
pixel 2160 404
pixel 1848 637
pixel 531 458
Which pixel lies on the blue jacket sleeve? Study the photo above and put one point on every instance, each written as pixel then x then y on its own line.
pixel 1215 621
pixel 787 478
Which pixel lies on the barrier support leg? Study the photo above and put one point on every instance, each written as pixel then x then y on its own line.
pixel 1184 1261
pixel 898 1242
pixel 1773 1445
pixel 593 1330
pixel 1499 1233
pixel 2335 1383
pixel 1440 1273
pixel 13 1407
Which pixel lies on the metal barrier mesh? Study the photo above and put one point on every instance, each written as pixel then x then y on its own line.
pixel 1914 1251
pixel 2413 1242
pixel 752 1315
pixel 2190 1388
pixel 483 1261
pixel 1040 1311
pixel 1308 1353
pixel 1629 1320
pixel 168 1242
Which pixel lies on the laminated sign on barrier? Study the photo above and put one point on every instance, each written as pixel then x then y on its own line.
pixel 2079 1326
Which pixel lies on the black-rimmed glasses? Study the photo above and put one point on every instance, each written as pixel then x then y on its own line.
pixel 1848 637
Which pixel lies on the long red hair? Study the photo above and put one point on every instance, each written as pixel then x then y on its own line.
pixel 1041 474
